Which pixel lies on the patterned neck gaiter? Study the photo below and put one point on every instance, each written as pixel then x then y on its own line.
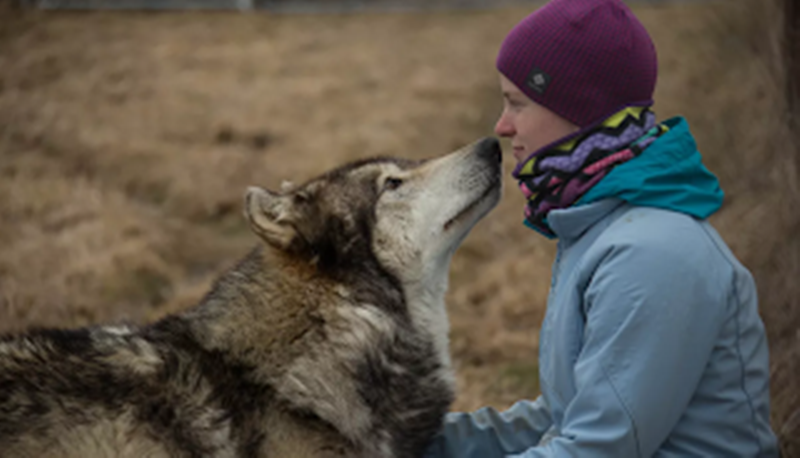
pixel 557 177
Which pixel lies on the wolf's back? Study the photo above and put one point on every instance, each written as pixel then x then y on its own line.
pixel 120 391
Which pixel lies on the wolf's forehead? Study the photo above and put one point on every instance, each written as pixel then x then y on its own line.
pixel 358 174
pixel 363 171
pixel 373 170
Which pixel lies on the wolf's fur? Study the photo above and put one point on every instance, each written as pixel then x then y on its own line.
pixel 330 339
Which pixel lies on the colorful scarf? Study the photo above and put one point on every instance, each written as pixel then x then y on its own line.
pixel 559 176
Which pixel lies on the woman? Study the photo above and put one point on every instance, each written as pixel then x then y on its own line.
pixel 652 344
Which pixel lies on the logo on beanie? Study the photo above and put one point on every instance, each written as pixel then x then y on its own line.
pixel 538 80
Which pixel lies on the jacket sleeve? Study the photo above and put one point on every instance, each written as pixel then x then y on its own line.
pixel 487 433
pixel 652 316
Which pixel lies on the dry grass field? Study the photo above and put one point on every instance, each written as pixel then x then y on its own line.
pixel 127 140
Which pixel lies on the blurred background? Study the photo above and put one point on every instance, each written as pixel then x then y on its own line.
pixel 127 139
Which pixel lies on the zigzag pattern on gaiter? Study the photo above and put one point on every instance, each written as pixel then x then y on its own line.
pixel 557 177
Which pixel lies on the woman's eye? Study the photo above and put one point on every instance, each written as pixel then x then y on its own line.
pixel 392 183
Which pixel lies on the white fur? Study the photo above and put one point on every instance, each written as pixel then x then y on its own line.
pixel 411 237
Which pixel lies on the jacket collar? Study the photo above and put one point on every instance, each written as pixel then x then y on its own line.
pixel 571 223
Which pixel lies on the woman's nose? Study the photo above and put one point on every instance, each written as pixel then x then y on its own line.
pixel 504 127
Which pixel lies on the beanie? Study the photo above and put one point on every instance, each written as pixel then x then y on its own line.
pixel 582 59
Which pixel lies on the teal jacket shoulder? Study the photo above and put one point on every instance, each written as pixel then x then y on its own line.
pixel 669 174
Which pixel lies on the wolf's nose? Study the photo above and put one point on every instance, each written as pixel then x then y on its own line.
pixel 489 149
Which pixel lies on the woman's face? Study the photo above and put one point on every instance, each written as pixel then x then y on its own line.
pixel 527 124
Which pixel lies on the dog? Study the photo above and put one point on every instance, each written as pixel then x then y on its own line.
pixel 329 339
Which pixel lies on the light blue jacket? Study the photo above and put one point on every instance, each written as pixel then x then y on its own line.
pixel 652 344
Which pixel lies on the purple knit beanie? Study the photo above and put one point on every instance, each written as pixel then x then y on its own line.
pixel 582 59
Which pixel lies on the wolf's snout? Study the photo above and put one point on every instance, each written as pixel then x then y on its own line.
pixel 489 149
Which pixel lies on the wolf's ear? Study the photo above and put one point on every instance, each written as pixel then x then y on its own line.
pixel 266 212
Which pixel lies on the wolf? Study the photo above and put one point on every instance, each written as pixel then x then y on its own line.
pixel 329 339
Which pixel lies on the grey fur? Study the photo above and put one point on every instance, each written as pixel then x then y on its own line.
pixel 327 340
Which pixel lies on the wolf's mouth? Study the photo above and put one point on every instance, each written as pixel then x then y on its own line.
pixel 471 206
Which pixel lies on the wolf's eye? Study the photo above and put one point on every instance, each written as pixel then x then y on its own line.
pixel 392 183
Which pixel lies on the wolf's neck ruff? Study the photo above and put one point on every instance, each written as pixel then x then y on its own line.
pixel 557 177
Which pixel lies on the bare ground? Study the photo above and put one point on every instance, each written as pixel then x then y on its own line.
pixel 127 139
